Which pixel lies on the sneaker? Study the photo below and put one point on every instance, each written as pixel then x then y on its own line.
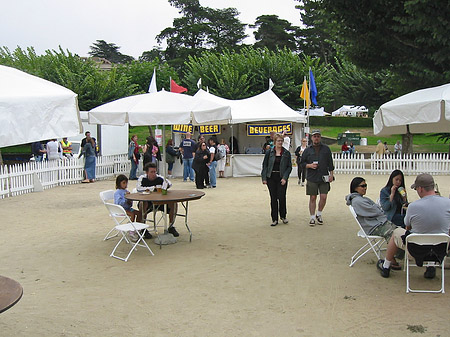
pixel 147 235
pixel 319 219
pixel 312 222
pixel 173 231
pixel 274 223
pixel 383 271
pixel 299 181
pixel 285 221
pixel 302 184
pixel 430 272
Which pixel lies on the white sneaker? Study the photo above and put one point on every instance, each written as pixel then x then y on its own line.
pixel 312 222
pixel 319 219
pixel 285 221
pixel 302 184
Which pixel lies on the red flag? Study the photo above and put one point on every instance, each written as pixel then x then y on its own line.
pixel 176 88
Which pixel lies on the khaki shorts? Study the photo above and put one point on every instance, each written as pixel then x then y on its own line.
pixel 397 235
pixel 315 188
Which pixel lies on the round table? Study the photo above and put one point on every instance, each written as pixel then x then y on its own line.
pixel 172 196
pixel 10 293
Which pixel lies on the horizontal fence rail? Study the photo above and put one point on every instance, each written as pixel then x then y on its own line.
pixel 410 164
pixel 22 178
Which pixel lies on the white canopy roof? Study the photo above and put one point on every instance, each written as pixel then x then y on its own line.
pixel 160 108
pixel 33 109
pixel 426 110
pixel 349 110
pixel 263 107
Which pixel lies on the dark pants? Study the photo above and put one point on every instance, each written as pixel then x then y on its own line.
pixel 301 172
pixel 200 174
pixel 277 196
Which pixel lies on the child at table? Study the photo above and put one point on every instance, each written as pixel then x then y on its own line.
pixel 119 198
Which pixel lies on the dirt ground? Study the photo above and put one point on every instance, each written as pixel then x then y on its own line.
pixel 238 277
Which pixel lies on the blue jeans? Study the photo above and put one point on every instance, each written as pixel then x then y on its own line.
pixel 133 170
pixel 187 169
pixel 212 173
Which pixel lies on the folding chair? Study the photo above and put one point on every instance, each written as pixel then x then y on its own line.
pixel 374 242
pixel 124 226
pixel 433 250
pixel 108 196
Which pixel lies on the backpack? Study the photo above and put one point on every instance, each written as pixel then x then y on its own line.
pixel 218 155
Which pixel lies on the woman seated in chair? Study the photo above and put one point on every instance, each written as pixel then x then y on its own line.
pixel 393 197
pixel 369 214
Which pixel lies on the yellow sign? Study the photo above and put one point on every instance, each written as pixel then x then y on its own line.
pixel 209 129
pixel 183 128
pixel 266 129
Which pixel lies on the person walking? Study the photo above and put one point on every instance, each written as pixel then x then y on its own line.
pixel 301 170
pixel 276 168
pixel 133 156
pixel 318 161
pixel 187 149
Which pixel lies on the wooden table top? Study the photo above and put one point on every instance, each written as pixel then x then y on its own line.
pixel 10 293
pixel 171 196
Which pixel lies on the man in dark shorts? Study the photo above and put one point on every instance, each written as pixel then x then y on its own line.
pixel 319 166
pixel 150 180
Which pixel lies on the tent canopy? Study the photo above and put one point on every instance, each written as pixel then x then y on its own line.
pixel 350 110
pixel 160 108
pixel 426 110
pixel 263 107
pixel 33 109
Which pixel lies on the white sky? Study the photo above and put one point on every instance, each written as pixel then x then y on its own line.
pixel 130 24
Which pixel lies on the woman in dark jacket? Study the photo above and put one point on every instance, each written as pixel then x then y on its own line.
pixel 199 165
pixel 171 156
pixel 276 168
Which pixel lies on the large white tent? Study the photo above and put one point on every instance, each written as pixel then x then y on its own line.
pixel 33 109
pixel 426 110
pixel 160 108
pixel 263 107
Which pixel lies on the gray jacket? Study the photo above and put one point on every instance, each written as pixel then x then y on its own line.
pixel 369 214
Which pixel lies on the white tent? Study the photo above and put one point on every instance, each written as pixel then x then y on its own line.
pixel 426 110
pixel 314 112
pixel 350 110
pixel 160 108
pixel 33 109
pixel 263 107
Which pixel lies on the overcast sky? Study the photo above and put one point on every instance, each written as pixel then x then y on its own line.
pixel 131 24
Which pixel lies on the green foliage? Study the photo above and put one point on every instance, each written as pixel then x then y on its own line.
pixel 345 122
pixel 274 33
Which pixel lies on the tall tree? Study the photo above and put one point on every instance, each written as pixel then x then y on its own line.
pixel 109 51
pixel 274 33
pixel 408 37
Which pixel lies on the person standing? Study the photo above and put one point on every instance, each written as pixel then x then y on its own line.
pixel 66 147
pixel 38 150
pixel 212 162
pixel 187 149
pixel 318 161
pixel 54 150
pixel 398 149
pixel 133 156
pixel 276 168
pixel 301 170
pixel 223 150
pixel 380 150
pixel 90 160
pixel 171 156
pixel 200 165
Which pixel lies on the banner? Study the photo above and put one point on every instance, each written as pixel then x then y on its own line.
pixel 266 129
pixel 183 128
pixel 209 129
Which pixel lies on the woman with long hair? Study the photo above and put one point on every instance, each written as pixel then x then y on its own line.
pixel 393 197
pixel 199 165
pixel 171 156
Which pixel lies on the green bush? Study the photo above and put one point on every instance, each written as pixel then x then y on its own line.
pixel 340 121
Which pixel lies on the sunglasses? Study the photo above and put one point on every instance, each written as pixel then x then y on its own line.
pixel 363 185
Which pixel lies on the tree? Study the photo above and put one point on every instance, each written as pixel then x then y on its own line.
pixel 274 33
pixel 109 51
pixel 407 37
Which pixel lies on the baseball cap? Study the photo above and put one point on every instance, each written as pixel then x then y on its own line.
pixel 423 180
pixel 315 132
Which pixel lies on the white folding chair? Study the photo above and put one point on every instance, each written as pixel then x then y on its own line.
pixel 124 226
pixel 108 196
pixel 429 243
pixel 374 242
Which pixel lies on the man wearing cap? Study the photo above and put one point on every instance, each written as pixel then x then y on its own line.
pixel 428 215
pixel 319 166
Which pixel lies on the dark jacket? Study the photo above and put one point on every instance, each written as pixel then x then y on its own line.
pixel 199 162
pixel 269 160
pixel 324 158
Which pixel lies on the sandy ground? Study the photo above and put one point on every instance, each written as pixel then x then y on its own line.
pixel 238 277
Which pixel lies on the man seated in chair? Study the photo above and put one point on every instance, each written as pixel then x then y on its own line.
pixel 428 215
pixel 147 182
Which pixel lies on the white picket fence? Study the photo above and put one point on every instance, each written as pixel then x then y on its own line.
pixel 20 178
pixel 409 164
